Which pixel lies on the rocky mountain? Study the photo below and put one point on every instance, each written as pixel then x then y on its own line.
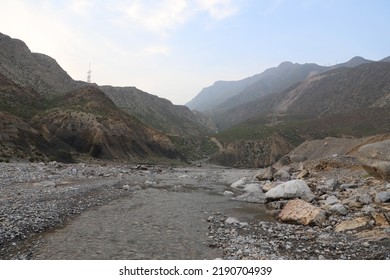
pixel 334 91
pixel 87 121
pixel 46 114
pixel 159 113
pixel 386 59
pixel 222 96
pixel 212 96
pixel 271 81
pixel 353 62
pixel 35 70
pixel 341 102
pixel 81 122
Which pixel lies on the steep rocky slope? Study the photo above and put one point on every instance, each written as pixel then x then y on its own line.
pixel 73 119
pixel 158 112
pixel 38 71
pixel 87 121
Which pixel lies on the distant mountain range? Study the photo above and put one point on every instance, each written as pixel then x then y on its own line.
pixel 336 91
pixel 47 114
pixel 230 94
pixel 292 103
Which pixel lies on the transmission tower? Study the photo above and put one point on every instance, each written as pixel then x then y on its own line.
pixel 89 74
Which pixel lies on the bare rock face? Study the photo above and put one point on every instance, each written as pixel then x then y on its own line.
pixel 249 153
pixel 290 189
pixel 375 159
pixel 298 211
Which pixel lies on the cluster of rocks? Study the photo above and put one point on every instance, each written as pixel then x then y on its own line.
pixel 267 240
pixel 330 198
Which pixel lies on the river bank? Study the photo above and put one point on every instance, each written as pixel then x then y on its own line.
pixel 88 211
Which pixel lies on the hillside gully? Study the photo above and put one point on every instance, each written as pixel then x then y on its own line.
pixel 90 211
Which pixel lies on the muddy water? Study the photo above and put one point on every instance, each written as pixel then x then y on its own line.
pixel 154 223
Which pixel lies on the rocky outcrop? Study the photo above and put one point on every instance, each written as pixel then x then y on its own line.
pixel 375 159
pixel 288 190
pixel 252 153
pixel 301 212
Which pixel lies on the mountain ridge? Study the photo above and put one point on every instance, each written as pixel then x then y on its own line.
pixel 63 118
pixel 271 80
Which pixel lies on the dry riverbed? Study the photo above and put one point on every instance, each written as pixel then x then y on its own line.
pixel 86 211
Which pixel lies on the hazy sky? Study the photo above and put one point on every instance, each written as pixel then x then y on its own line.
pixel 174 48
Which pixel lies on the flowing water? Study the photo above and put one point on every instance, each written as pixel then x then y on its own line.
pixel 154 223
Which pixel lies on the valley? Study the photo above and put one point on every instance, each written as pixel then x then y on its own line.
pixel 290 163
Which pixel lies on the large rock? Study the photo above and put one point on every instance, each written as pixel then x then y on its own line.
pixel 357 223
pixel 375 159
pixel 283 174
pixel 290 189
pixel 298 211
pixel 253 188
pixel 382 197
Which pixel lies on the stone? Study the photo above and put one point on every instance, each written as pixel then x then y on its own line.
pixel 253 197
pixel 239 184
pixel 150 183
pixel 301 212
pixel 266 174
pixel 277 204
pixel 382 197
pixel 338 209
pixel 290 189
pixel 232 220
pixel 268 185
pixel 329 186
pixel 364 198
pixel 253 188
pixel 331 200
pixel 368 209
pixel 309 197
pixel 380 220
pixel 303 174
pixel 348 186
pixel 126 187
pixel 142 167
pixel 283 174
pixel 376 234
pixel 375 159
pixel 357 223
pixel 228 193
